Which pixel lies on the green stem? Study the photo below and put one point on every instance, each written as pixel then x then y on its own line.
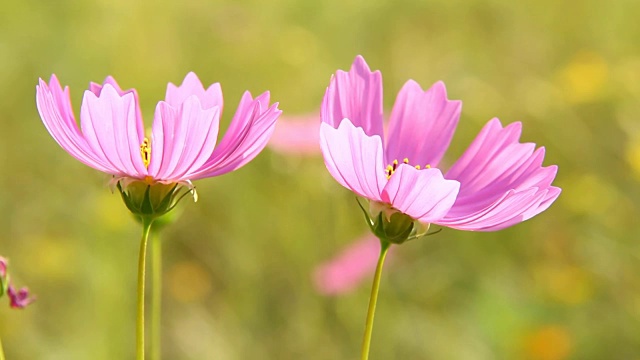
pixel 156 295
pixel 146 226
pixel 1 351
pixel 366 342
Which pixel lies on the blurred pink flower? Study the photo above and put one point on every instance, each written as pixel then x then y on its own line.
pixel 297 135
pixel 182 146
pixel 498 181
pixel 352 266
pixel 19 299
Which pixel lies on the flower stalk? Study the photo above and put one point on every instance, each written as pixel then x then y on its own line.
pixel 146 227
pixel 1 351
pixel 373 299
pixel 156 295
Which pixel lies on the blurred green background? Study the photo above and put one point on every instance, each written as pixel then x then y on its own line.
pixel 238 263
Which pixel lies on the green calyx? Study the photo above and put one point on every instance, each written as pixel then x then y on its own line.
pixel 150 201
pixel 395 230
pixel 392 226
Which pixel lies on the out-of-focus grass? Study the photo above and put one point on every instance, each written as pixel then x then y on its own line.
pixel 237 263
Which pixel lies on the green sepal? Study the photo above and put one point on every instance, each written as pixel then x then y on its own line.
pixel 146 207
pixel 168 198
pixel 4 284
pixel 367 217
pixel 2 287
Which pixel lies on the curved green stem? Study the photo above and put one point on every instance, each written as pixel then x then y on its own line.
pixel 366 341
pixel 156 295
pixel 146 226
pixel 1 351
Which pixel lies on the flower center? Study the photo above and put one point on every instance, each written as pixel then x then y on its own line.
pixel 391 168
pixel 145 152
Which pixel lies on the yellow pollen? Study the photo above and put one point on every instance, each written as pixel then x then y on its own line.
pixel 145 152
pixel 391 168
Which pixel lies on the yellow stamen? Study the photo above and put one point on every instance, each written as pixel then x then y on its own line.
pixel 145 152
pixel 391 168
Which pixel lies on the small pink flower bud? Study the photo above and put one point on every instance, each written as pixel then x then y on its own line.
pixel 19 299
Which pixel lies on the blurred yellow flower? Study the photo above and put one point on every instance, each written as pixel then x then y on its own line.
pixel 188 281
pixel 57 258
pixel 568 284
pixel 633 157
pixel 583 79
pixel 551 342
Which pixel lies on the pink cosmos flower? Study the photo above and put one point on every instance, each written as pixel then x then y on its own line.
pixel 498 181
pixel 297 135
pixel 182 144
pixel 346 271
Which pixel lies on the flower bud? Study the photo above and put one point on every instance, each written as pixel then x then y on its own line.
pixel 19 299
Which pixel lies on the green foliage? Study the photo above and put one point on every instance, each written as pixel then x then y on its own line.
pixel 239 262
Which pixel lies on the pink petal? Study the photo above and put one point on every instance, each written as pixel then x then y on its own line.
pixel 355 95
pixel 109 125
pixel 502 181
pixel 248 133
pixel 191 85
pixel 54 106
pixel 551 196
pixel 298 135
pixel 422 124
pixel 350 268
pixel 97 89
pixel 354 159
pixel 506 211
pixel 62 102
pixel 424 194
pixel 184 137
